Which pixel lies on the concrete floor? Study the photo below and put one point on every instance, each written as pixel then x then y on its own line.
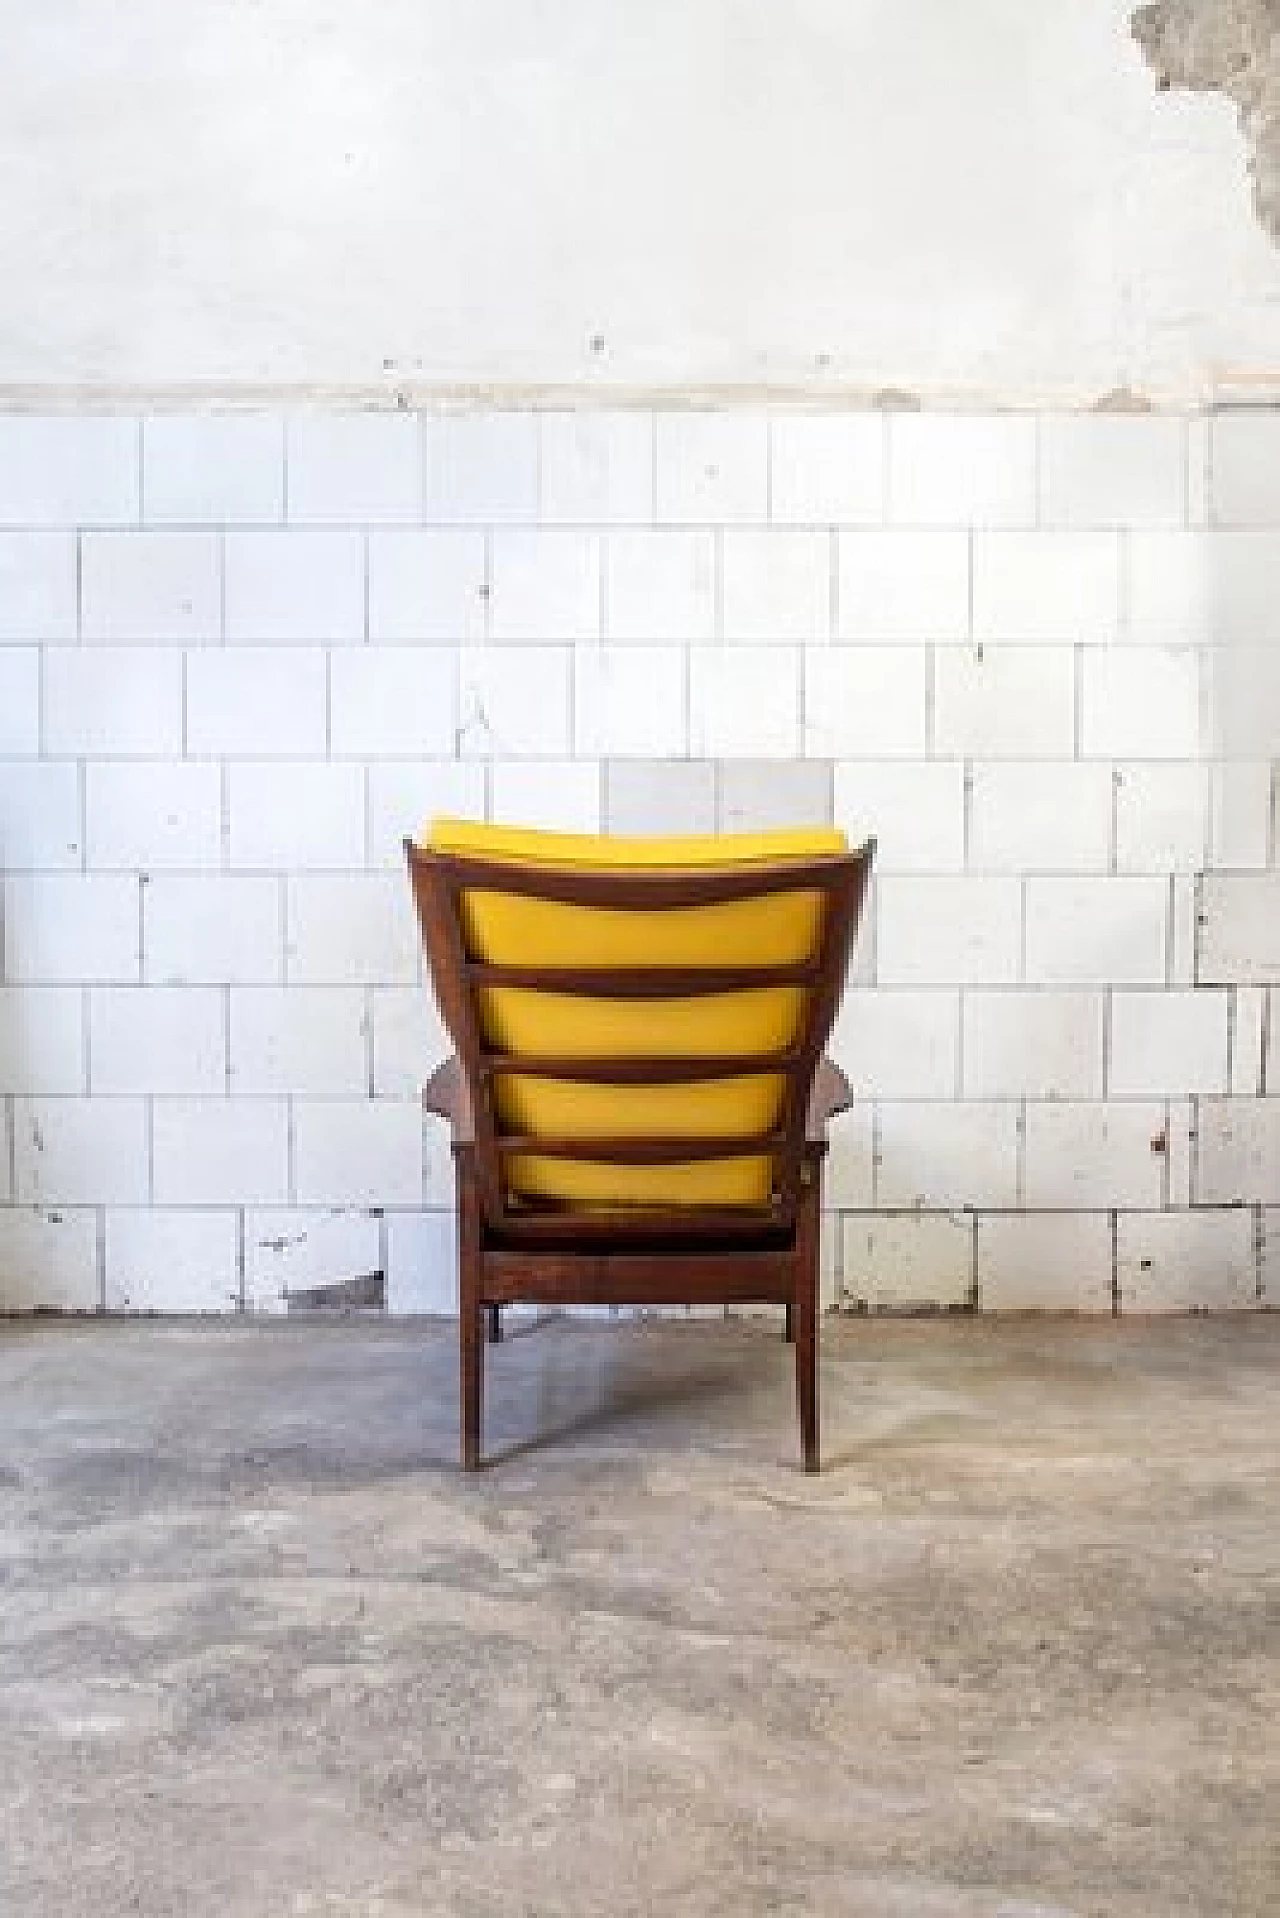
pixel 1016 1653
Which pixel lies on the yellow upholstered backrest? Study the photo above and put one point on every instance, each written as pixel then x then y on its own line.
pixel 507 928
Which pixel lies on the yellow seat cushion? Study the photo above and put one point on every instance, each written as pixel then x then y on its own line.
pixel 509 928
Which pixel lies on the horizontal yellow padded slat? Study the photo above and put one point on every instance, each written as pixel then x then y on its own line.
pixel 576 1182
pixel 604 851
pixel 558 1024
pixel 573 1109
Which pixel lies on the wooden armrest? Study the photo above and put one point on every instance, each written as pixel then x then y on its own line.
pixel 446 1093
pixel 831 1094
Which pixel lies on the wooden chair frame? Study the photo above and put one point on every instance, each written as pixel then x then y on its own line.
pixel 520 1253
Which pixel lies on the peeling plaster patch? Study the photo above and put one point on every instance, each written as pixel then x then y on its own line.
pixel 1230 47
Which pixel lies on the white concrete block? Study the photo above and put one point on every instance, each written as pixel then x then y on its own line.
pixel 776 585
pixel 546 584
pixel 1238 1152
pixel 150 586
pixel 849 1174
pixel 1141 703
pixel 1250 1023
pixel 212 467
pixel 1244 466
pixel 48 1260
pixel 1183 932
pixel 1170 1043
pixel 1162 817
pixel 659 585
pixel 744 702
pixel 909 1261
pixel 358 1152
pixel 903 585
pixel 422 1265
pixel 149 815
pixel 393 701
pixel 962 470
pixel 898 1044
pixel 357 930
pixel 1180 1187
pixel 827 468
pixel 1084 1157
pixel 37 587
pixel 558 795
pixel 946 1157
pixel 1198 447
pixel 828 1268
pixel 113 702
pixel 1033 1045
pixel 72 469
pixel 481 467
pixel 409 1040
pixel 310 1040
pixel 597 467
pixel 1239 929
pixel 757 795
pixel 41 1039
pixel 295 816
pixel 864 702
pixel 1039 817
pixel 1005 702
pixel 629 701
pixel 361 467
pixel 655 797
pixel 1042 588
pixel 1269 1280
pixel 39 815
pixel 1240 802
pixel 914 812
pixel 1096 932
pixel 514 702
pixel 158 1261
pixel 20 701
pixel 289 1250
pixel 80 1151
pixel 157 1039
pixel 1045 1262
pixel 1186 1261
pixel 71 929
pixel 257 701
pixel 947 931
pixel 1203 588
pixel 1242 699
pixel 1109 469
pixel 220 1151
pixel 212 931
pixel 406 795
pixel 427 583
pixel 712 466
pixel 299 585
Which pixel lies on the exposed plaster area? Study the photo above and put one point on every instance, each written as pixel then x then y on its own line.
pixel 1230 47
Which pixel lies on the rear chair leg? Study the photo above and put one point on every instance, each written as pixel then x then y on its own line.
pixel 493 1313
pixel 470 1315
pixel 789 1323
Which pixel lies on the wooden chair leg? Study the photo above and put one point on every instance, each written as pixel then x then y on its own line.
pixel 493 1314
pixel 789 1324
pixel 806 1309
pixel 470 1338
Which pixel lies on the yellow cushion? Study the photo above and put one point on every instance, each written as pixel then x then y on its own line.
pixel 506 928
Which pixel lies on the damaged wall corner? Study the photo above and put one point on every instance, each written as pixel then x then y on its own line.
pixel 1230 47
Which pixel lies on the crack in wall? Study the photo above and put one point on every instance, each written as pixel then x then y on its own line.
pixel 1230 47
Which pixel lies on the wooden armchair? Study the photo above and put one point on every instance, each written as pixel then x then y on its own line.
pixel 639 1100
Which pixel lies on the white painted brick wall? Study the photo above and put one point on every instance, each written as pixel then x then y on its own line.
pixel 1035 657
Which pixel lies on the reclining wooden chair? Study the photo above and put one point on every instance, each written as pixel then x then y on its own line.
pixel 639 1099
